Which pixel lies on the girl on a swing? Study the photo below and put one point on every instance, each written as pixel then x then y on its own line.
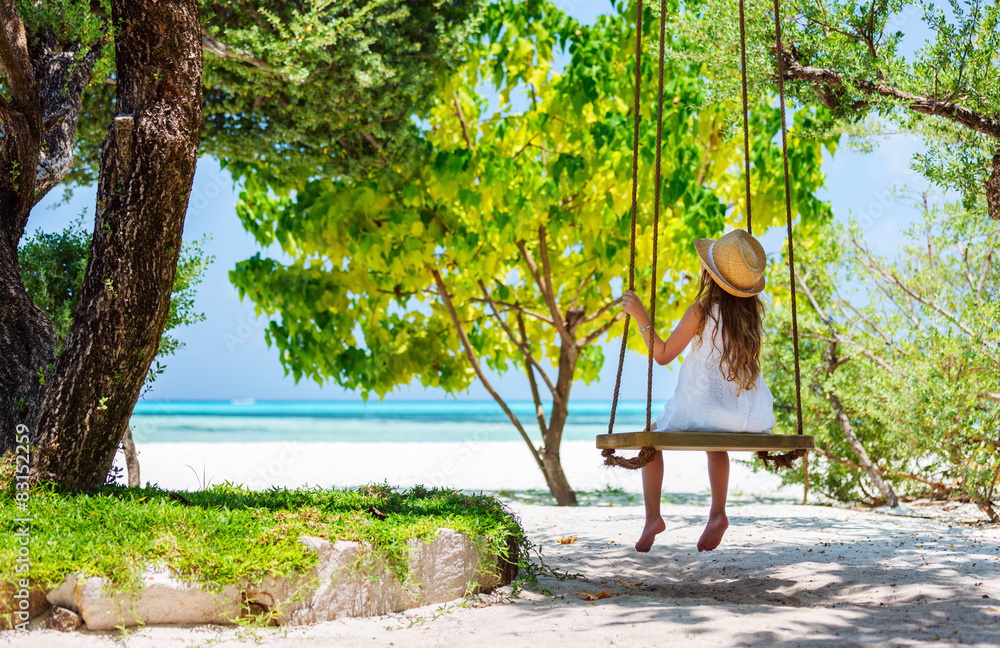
pixel 720 387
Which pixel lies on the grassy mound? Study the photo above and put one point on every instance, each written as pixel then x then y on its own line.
pixel 228 534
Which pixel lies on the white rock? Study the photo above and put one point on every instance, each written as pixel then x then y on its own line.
pixel 348 580
pixel 64 596
pixel 162 600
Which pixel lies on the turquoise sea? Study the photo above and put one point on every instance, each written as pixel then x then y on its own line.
pixel 395 421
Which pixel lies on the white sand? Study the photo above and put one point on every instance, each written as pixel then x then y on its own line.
pixel 471 465
pixel 785 575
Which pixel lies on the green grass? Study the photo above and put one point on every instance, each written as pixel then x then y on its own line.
pixel 231 535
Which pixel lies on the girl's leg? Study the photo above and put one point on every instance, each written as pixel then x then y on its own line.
pixel 652 485
pixel 718 478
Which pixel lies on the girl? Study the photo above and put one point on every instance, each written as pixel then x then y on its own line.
pixel 720 387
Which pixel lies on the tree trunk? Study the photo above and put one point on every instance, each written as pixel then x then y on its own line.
pixel 862 454
pixel 27 341
pixel 147 169
pixel 131 458
pixel 554 475
pixel 556 480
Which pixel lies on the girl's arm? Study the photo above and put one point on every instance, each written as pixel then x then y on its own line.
pixel 664 352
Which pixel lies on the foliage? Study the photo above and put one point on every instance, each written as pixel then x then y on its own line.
pixel 53 267
pixel 489 187
pixel 320 87
pixel 866 43
pixel 229 535
pixel 910 348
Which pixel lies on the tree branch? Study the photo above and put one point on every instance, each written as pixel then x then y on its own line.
pixel 619 316
pixel 461 118
pixel 214 46
pixel 576 295
pixel 837 30
pixel 842 303
pixel 703 167
pixel 539 409
pixel 930 303
pixel 521 150
pixel 525 351
pixel 471 355
pixel 515 307
pixel 812 300
pixel 14 60
pixel 837 337
pixel 882 471
pixel 22 115
pixel 917 103
pixel 861 453
pixel 599 313
pixel 557 317
pixel 986 266
pixel 550 302
pixel 891 277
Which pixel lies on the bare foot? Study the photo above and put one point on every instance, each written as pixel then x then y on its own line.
pixel 713 533
pixel 649 534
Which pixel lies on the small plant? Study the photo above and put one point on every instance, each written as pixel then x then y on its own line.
pixel 21 403
pixel 117 474
pixel 15 173
pixel 41 373
pixel 203 481
pixel 155 369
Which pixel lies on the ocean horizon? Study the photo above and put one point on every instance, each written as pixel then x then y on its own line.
pixel 249 420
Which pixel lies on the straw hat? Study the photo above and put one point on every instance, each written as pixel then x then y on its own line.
pixel 736 261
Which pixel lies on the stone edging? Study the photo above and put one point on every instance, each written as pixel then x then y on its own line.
pixel 443 569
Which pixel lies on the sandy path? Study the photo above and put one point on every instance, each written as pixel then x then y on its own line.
pixel 786 575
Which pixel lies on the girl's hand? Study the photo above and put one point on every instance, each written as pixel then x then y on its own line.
pixel 632 305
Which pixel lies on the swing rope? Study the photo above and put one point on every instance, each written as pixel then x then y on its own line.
pixel 656 221
pixel 746 112
pixel 647 453
pixel 787 458
pixel 631 259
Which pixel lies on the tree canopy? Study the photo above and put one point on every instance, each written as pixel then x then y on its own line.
pixel 115 92
pixel 504 238
pixel 850 57
pixel 322 88
pixel 900 360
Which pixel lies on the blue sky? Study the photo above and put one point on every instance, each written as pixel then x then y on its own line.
pixel 225 356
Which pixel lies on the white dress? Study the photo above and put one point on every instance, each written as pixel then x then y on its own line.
pixel 705 401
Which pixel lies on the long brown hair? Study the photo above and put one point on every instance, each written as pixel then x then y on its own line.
pixel 742 329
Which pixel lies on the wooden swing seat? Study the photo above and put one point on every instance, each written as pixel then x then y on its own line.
pixel 733 441
pixel 787 447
